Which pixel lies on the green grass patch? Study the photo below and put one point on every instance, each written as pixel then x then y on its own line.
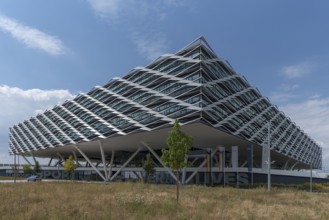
pixel 74 200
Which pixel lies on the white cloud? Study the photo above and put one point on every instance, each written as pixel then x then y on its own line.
pixel 176 2
pixel 106 8
pixel 31 37
pixel 313 117
pixel 279 97
pixel 288 87
pixel 120 11
pixel 285 93
pixel 135 10
pixel 297 71
pixel 139 17
pixel 315 96
pixel 150 46
pixel 18 105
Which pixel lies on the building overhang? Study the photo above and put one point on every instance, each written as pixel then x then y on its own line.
pixel 204 137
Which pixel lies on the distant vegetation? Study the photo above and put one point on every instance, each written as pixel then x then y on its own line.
pixel 73 200
pixel 70 166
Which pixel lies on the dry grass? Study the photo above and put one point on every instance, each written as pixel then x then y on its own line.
pixel 70 200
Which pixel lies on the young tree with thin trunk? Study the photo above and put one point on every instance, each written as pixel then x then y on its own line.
pixel 27 169
pixel 179 146
pixel 70 166
pixel 37 168
pixel 148 166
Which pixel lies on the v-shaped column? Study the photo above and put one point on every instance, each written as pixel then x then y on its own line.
pixel 201 165
pixel 89 161
pixel 158 158
pixel 126 163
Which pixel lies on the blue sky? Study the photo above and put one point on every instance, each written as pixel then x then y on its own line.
pixel 52 50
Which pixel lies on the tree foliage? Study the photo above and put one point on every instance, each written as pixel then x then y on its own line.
pixel 70 165
pixel 148 166
pixel 27 169
pixel 37 168
pixel 179 146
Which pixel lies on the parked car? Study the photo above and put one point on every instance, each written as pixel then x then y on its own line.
pixel 34 178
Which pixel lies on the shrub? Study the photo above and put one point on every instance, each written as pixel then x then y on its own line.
pixel 318 187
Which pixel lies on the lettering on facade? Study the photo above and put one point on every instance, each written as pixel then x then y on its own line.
pixel 207 178
pixel 213 178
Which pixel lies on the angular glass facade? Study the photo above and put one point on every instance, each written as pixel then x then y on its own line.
pixel 193 85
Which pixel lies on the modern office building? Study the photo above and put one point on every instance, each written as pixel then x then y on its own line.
pixel 113 127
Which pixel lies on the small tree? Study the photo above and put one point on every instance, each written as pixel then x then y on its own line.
pixel 70 166
pixel 179 146
pixel 27 169
pixel 37 168
pixel 148 167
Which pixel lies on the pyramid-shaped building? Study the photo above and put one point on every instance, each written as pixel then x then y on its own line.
pixel 214 104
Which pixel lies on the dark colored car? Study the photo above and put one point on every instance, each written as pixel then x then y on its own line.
pixel 34 178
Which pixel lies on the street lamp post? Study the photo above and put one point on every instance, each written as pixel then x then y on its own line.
pixel 268 159
pixel 311 179
pixel 14 168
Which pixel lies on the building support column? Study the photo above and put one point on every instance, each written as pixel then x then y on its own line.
pixel 61 157
pixel 126 163
pixel 103 158
pixel 196 171
pixel 76 158
pixel 184 170
pixel 158 158
pixel 111 166
pixel 235 157
pixel 91 164
pixel 286 164
pixel 60 162
pixel 26 160
pixel 51 159
pixel 200 166
pixel 15 172
pixel 195 159
pixel 222 162
pixel 35 161
pixel 293 166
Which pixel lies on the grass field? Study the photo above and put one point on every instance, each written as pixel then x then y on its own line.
pixel 71 200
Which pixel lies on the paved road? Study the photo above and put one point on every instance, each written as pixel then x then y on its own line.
pixel 22 181
pixel 50 180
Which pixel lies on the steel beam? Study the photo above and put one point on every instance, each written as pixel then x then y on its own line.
pixel 103 158
pixel 126 163
pixel 286 164
pixel 91 164
pixel 158 158
pixel 111 166
pixel 59 162
pixel 184 169
pixel 200 166
pixel 293 166
pixel 35 161
pixel 61 157
pixel 76 158
pixel 26 160
pixel 51 159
